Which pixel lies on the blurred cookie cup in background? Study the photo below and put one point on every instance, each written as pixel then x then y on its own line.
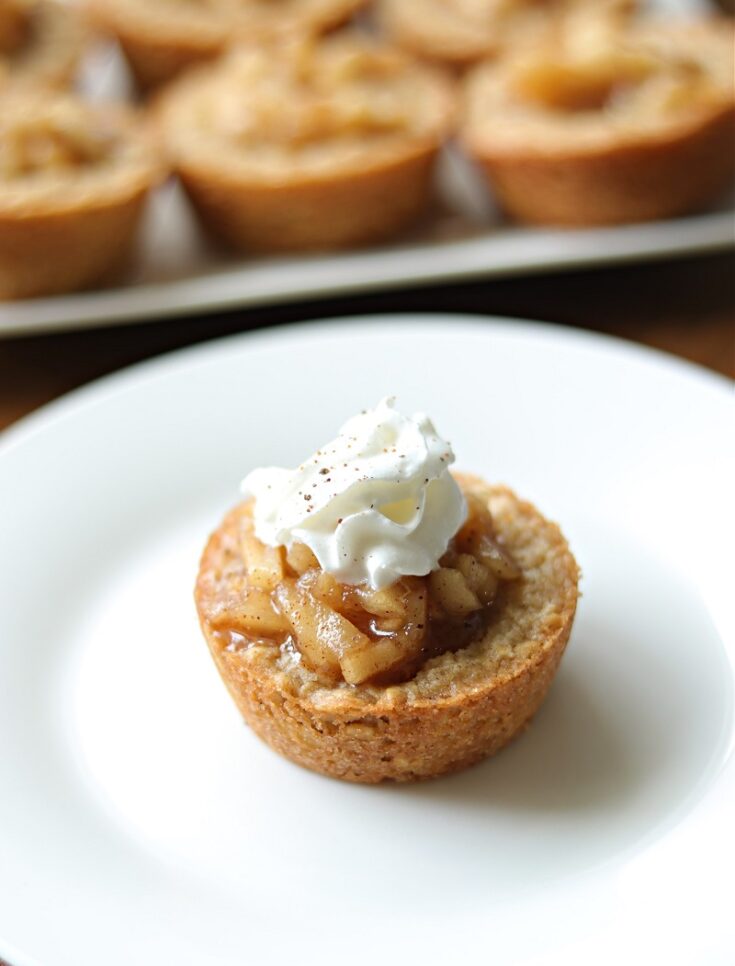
pixel 310 144
pixel 73 183
pixel 638 125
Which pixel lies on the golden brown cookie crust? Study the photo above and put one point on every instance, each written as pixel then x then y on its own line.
pixel 65 229
pixel 458 709
pixel 567 174
pixel 291 199
pixel 61 252
pixel 353 208
pixel 630 184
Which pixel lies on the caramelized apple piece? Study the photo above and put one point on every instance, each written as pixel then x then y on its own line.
pixel 404 635
pixel 326 588
pixel 378 657
pixel 256 616
pixel 300 558
pixel 264 564
pixel 479 523
pixel 387 625
pixel 497 559
pixel 477 537
pixel 435 610
pixel 322 635
pixel 415 604
pixel 450 589
pixel 389 602
pixel 480 579
pixel 403 640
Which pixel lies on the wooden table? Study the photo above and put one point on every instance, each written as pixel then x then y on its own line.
pixel 685 307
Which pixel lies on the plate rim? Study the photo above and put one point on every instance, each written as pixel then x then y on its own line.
pixel 200 352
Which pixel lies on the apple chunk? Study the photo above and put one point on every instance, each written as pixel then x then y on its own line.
pixel 402 641
pixel 497 559
pixel 255 615
pixel 379 656
pixel 480 579
pixel 264 564
pixel 324 587
pixel 389 602
pixel 449 589
pixel 477 537
pixel 300 558
pixel 322 635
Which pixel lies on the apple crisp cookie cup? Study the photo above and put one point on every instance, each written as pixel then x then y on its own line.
pixel 640 128
pixel 461 705
pixel 73 182
pixel 161 38
pixel 307 146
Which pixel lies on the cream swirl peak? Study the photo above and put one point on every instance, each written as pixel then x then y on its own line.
pixel 375 504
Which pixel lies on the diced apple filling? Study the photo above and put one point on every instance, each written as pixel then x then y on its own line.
pixel 452 592
pixel 300 558
pixel 256 616
pixel 264 564
pixel 322 634
pixel 355 634
pixel 582 85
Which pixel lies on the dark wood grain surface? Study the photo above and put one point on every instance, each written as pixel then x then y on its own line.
pixel 684 307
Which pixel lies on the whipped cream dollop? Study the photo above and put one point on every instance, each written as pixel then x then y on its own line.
pixel 375 504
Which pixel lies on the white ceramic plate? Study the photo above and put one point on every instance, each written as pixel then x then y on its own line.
pixel 175 272
pixel 141 822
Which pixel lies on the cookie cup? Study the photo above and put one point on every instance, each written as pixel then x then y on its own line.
pixel 335 182
pixel 458 709
pixel 67 226
pixel 671 152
